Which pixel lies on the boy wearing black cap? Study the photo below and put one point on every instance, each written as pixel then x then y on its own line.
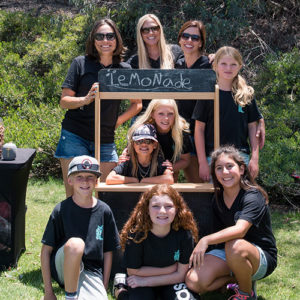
pixel 79 238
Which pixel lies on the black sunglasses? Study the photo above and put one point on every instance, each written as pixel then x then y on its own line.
pixel 194 37
pixel 109 36
pixel 144 141
pixel 148 29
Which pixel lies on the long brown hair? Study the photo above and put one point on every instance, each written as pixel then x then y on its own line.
pixel 246 182
pixel 135 162
pixel 139 222
pixel 90 49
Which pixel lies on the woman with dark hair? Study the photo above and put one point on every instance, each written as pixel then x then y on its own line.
pixel 191 38
pixel 104 50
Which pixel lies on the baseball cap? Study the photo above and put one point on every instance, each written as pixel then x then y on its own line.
pixel 145 131
pixel 84 163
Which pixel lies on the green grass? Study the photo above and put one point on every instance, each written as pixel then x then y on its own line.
pixel 25 281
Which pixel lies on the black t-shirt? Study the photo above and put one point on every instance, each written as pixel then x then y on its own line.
pixel 82 73
pixel 167 144
pixel 233 121
pixel 159 252
pixel 96 226
pixel 155 64
pixel 251 206
pixel 186 107
pixel 125 169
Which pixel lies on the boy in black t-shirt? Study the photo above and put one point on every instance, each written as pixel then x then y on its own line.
pixel 79 238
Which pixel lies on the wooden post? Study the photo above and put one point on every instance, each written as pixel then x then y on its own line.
pixel 216 119
pixel 97 124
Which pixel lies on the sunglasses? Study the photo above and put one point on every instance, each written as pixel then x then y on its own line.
pixel 144 141
pixel 194 37
pixel 148 29
pixel 109 36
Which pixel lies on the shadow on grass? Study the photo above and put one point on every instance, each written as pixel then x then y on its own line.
pixel 34 278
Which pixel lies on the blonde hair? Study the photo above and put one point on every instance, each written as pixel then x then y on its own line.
pixel 166 56
pixel 242 93
pixel 180 124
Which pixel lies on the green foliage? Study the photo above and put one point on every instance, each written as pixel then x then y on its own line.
pixel 25 281
pixel 36 53
pixel 278 91
pixel 38 127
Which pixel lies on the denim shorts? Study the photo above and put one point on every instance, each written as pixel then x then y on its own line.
pixel 71 145
pixel 263 264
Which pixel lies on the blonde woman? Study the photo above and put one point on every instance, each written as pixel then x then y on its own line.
pixel 239 114
pixel 152 49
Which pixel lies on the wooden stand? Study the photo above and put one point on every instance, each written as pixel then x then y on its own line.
pixel 117 84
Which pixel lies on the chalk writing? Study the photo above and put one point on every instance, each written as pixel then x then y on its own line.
pixel 157 80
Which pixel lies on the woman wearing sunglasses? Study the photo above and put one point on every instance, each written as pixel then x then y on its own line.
pixel 152 49
pixel 191 38
pixel 104 50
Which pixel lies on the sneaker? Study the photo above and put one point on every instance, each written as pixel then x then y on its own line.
pixel 120 283
pixel 235 286
pixel 239 295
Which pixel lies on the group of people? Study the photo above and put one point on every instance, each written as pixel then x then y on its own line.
pixel 184 130
pixel 162 255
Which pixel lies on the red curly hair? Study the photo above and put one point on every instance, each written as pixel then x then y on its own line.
pixel 139 223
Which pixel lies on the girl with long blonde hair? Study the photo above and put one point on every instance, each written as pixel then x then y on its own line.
pixel 239 114
pixel 172 132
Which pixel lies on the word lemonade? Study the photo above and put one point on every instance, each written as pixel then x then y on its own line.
pixel 156 80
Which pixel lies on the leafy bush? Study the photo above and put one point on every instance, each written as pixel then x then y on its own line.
pixel 38 127
pixel 37 51
pixel 278 91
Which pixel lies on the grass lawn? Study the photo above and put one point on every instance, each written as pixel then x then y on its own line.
pixel 25 282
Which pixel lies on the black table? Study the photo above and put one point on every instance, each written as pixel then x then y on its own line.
pixel 123 198
pixel 13 184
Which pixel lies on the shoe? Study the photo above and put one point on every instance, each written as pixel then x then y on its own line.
pixel 120 283
pixel 239 295
pixel 234 286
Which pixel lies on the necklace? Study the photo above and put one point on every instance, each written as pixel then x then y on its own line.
pixel 142 171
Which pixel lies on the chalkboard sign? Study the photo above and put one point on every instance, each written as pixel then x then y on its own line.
pixel 156 80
